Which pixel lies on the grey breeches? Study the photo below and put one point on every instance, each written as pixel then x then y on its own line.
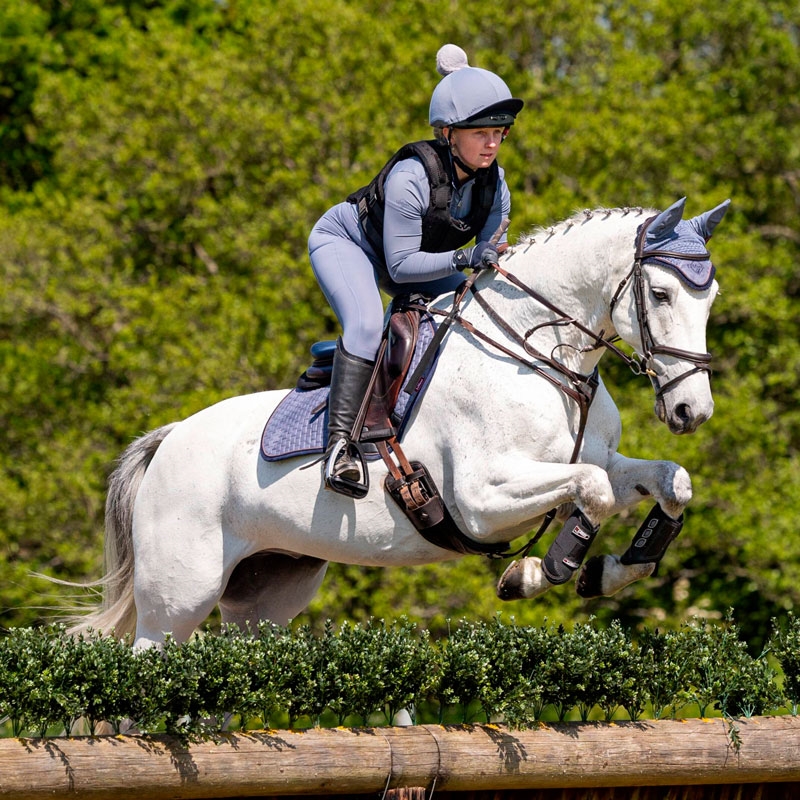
pixel 349 281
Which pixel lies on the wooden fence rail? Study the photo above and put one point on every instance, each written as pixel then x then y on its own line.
pixel 368 761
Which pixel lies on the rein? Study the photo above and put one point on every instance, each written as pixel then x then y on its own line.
pixel 581 388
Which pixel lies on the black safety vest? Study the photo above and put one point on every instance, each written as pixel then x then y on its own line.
pixel 440 231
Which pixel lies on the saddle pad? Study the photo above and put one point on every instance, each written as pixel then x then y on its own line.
pixel 299 425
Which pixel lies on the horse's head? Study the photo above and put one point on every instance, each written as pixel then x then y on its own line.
pixel 669 292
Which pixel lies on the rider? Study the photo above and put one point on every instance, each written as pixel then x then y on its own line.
pixel 408 229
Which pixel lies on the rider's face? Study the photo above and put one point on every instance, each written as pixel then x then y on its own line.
pixel 476 147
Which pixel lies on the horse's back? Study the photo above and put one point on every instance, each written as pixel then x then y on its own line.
pixel 233 413
pixel 206 450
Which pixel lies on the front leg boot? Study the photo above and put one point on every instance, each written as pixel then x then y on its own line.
pixel 569 548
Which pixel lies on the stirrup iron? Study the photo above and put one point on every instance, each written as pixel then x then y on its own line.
pixel 337 483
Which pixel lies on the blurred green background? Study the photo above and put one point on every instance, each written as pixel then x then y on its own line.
pixel 161 166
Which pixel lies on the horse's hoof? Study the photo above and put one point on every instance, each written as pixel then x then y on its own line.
pixel 510 583
pixel 522 580
pixel 590 578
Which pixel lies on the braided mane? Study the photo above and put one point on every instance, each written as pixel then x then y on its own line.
pixel 578 218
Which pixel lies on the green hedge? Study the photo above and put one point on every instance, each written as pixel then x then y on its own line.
pixel 365 674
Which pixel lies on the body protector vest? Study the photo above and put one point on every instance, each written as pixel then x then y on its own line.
pixel 440 230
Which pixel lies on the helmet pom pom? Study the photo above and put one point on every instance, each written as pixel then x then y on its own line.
pixel 450 58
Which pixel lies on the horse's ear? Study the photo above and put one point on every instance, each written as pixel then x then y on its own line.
pixel 705 223
pixel 666 221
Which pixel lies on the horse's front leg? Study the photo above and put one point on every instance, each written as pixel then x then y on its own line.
pixel 512 493
pixel 634 479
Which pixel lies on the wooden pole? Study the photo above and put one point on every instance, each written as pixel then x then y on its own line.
pixel 454 758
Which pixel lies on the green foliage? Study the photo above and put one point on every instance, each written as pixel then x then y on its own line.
pixel 24 155
pixel 201 679
pixel 479 662
pixel 22 671
pixel 610 670
pixel 785 646
pixel 49 678
pixel 366 673
pixel 722 674
pixel 298 663
pixel 161 165
pixel 663 669
pixel 375 668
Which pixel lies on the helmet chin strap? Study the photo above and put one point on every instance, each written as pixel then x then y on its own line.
pixel 470 173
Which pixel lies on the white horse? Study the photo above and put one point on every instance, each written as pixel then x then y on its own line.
pixel 196 517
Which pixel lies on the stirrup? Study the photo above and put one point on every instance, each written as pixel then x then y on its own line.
pixel 345 486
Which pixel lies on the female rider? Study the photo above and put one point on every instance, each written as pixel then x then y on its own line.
pixel 407 232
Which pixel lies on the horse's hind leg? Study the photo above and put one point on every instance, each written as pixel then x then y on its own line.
pixel 176 615
pixel 174 592
pixel 270 586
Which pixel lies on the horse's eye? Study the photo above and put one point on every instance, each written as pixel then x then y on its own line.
pixel 660 295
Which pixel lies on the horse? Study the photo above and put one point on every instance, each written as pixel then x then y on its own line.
pixel 515 426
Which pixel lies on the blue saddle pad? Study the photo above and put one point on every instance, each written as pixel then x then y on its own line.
pixel 299 425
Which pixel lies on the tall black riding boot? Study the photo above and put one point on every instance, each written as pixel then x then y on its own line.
pixel 349 382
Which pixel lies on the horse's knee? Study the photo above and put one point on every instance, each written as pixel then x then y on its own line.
pixel 670 484
pixel 679 492
pixel 593 492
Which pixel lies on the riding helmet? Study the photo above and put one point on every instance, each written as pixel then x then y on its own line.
pixel 469 97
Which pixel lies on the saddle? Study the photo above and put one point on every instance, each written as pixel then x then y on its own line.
pixel 384 411
pixel 382 417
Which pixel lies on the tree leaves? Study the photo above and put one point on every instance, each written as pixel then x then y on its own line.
pixel 161 165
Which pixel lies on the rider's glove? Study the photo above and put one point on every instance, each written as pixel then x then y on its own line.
pixel 482 256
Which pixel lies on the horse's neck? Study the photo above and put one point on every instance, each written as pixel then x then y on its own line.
pixel 577 268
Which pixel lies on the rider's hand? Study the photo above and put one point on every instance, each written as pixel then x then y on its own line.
pixel 482 256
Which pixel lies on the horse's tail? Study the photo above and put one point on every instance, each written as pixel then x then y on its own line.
pixel 118 612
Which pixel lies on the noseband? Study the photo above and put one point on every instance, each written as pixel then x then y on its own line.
pixel 645 362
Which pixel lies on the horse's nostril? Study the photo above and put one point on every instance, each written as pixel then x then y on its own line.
pixel 683 411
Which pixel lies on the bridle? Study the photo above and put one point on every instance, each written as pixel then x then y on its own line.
pixel 580 388
pixel 644 363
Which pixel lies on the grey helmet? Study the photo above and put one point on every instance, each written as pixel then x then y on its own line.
pixel 469 97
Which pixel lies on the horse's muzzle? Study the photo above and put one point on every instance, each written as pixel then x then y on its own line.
pixel 683 417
